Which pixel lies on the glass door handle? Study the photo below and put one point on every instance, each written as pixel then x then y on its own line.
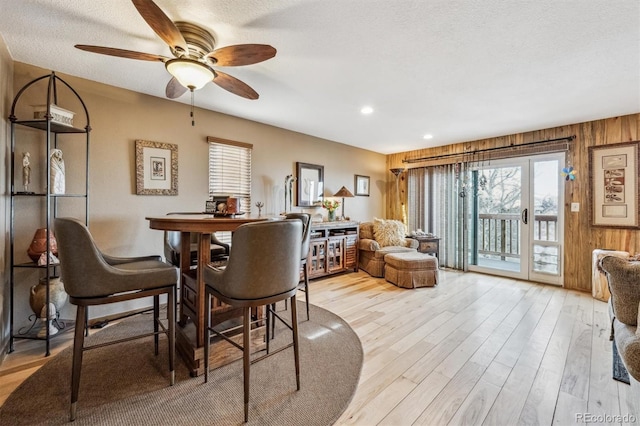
pixel 525 216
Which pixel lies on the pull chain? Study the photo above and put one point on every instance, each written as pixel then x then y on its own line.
pixel 193 122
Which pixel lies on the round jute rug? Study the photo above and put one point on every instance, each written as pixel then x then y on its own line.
pixel 127 384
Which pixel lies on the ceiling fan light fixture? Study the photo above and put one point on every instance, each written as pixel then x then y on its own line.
pixel 191 74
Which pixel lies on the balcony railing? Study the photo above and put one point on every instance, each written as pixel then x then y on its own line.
pixel 499 234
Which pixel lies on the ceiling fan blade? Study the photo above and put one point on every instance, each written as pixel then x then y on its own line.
pixel 122 53
pixel 161 24
pixel 175 89
pixel 235 86
pixel 242 54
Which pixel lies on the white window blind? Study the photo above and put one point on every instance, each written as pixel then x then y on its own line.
pixel 230 170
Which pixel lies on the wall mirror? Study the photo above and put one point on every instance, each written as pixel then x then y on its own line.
pixel 310 178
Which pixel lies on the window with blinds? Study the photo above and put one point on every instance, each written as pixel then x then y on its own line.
pixel 230 170
pixel 230 174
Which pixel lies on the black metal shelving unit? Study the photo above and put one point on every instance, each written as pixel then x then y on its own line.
pixel 53 133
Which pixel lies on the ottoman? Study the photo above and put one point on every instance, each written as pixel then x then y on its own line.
pixel 411 270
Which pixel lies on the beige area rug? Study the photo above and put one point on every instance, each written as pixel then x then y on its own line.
pixel 127 385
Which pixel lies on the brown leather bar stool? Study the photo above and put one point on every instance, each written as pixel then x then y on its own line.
pixel 93 278
pixel 255 277
pixel 304 254
pixel 219 250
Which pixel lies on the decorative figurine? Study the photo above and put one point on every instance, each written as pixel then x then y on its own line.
pixel 47 321
pixel 57 172
pixel 26 171
pixel 259 205
pixel 288 190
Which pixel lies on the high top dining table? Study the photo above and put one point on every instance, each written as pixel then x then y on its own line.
pixel 192 295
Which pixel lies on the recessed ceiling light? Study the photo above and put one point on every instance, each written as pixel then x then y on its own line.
pixel 366 110
pixel 428 136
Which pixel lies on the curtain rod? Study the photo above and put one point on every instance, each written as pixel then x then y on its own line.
pixel 438 157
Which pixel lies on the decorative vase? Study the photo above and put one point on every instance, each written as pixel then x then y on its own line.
pixel 38 295
pixel 39 245
pixel 331 215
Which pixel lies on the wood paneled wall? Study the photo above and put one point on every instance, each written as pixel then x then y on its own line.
pixel 580 237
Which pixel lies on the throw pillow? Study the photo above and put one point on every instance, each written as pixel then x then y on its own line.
pixel 389 232
pixel 366 230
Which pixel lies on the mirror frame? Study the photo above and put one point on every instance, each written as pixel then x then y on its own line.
pixel 306 171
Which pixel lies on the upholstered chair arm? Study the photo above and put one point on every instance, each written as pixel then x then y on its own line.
pixel 214 276
pixel 624 283
pixel 411 243
pixel 172 246
pixel 216 241
pixel 113 260
pixel 628 344
pixel 368 245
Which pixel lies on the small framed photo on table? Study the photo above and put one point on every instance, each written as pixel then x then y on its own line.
pixel 362 185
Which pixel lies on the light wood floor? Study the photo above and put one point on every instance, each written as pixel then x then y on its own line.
pixel 476 349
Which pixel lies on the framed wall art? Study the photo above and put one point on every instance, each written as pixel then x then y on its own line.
pixel 613 173
pixel 310 184
pixel 156 168
pixel 362 185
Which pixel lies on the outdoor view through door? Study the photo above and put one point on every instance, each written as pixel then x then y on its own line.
pixel 516 218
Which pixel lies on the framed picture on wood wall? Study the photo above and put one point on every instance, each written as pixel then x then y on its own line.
pixel 156 168
pixel 613 175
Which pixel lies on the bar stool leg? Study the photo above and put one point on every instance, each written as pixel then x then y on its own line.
pixel 171 318
pixel 246 359
pixel 78 346
pixel 156 318
pixel 207 334
pixel 294 323
pixel 306 286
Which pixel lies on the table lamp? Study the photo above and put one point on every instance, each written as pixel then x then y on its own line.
pixel 343 193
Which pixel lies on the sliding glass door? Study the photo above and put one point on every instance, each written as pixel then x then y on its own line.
pixel 516 218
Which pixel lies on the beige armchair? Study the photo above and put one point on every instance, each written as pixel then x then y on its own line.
pixel 373 246
pixel 624 308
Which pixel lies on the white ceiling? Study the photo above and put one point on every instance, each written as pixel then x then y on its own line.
pixel 459 70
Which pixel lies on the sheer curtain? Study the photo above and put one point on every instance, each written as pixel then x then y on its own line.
pixel 435 205
pixel 417 205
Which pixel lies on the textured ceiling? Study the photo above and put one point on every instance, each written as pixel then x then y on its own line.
pixel 459 70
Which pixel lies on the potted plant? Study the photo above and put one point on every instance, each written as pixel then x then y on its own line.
pixel 331 207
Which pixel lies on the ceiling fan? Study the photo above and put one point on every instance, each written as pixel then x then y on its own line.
pixel 194 54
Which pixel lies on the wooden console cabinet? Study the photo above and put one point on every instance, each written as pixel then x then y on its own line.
pixel 333 248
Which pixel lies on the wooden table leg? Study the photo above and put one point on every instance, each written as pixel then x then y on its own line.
pixel 204 257
pixel 185 265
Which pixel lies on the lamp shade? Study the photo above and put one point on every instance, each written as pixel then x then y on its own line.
pixel 397 171
pixel 344 193
pixel 191 74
